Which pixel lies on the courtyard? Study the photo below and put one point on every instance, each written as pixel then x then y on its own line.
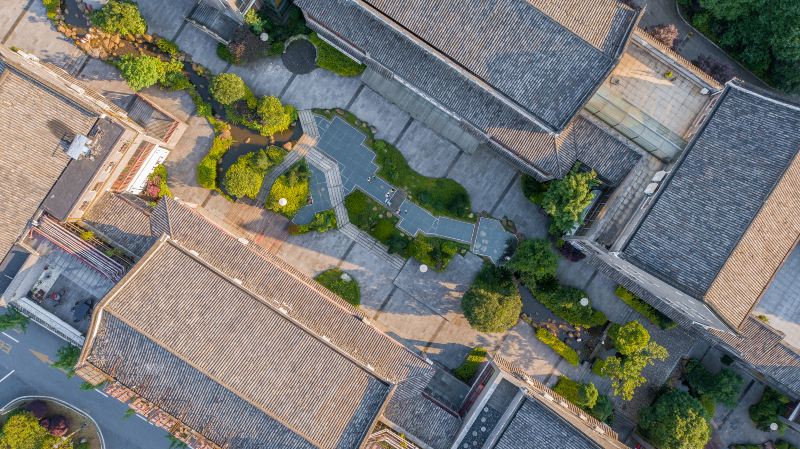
pixel 420 309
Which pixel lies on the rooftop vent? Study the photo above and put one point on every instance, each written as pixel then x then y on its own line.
pixel 79 147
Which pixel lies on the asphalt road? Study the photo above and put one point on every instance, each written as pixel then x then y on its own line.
pixel 25 370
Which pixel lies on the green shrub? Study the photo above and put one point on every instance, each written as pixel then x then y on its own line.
pixel 67 359
pixel 141 71
pixel 228 88
pixel 768 409
pixel 566 199
pixel 583 395
pixel 722 387
pixel 709 405
pixel 533 189
pixel 13 319
pixel 207 169
pixel 244 178
pixel 322 222
pixel 433 251
pixel 168 47
pixel 176 81
pixel 224 53
pixel 644 309
pixel 22 430
pixel 294 187
pixel 560 348
pixel 676 420
pixel 203 108
pixel 383 230
pixel 158 178
pixel 440 196
pixel 53 7
pixel 629 338
pixel 603 410
pixel 472 362
pixel 119 17
pixel 535 261
pixel 329 58
pixel 254 21
pixel 626 372
pixel 492 303
pixel 347 290
pixel 275 117
pixel 780 444
pixel 564 302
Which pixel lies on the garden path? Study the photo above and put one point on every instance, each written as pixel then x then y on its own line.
pixel 344 144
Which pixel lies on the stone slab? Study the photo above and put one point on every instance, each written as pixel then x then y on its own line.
pixel 374 275
pixel 426 152
pixel 321 89
pixel 183 159
pixel 409 321
pixel 313 253
pixel 380 113
pixel 35 34
pixel 165 17
pixel 267 76
pixel 522 348
pixel 485 175
pixel 530 220
pixel 201 47
pixel 440 291
pixel 9 13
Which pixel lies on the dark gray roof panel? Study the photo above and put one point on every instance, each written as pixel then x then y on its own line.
pixel 117 219
pixel 727 175
pixel 536 426
pixel 586 142
pixel 514 47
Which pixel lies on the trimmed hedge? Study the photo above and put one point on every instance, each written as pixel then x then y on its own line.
pixel 560 348
pixel 329 58
pixel 207 169
pixel 322 222
pixel 644 309
pixel 347 290
pixel 583 395
pixel 564 302
pixel 472 362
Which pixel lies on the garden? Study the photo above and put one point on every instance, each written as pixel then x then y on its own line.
pixel 341 283
pixel 44 424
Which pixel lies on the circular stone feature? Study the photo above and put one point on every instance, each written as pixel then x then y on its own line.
pixel 423 268
pixel 300 56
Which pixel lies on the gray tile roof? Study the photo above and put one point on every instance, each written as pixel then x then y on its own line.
pixel 155 122
pixel 318 311
pixel 518 98
pixel 536 426
pixel 35 119
pixel 727 175
pixel 223 334
pixel 121 221
pixel 79 173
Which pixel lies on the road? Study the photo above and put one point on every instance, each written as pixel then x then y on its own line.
pixel 691 42
pixel 25 370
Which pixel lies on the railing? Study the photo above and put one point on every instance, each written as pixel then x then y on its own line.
pixel 48 321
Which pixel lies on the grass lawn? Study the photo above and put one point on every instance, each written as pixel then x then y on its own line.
pixel 440 196
pixel 347 290
pixel 293 186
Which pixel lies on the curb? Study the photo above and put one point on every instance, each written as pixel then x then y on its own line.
pixel 7 408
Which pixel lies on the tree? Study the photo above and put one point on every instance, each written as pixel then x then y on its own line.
pixel 13 319
pixel 666 34
pixel 23 431
pixel 492 303
pixel 67 359
pixel 676 420
pixel 120 17
pixel 228 88
pixel 767 410
pixel 244 178
pixel 722 387
pixel 566 199
pixel 534 260
pixel 275 117
pixel 141 71
pixel 629 338
pixel 626 372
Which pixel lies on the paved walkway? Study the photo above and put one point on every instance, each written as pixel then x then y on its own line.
pixel 344 144
pixel 692 43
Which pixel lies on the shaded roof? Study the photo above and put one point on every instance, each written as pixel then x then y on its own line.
pixel 318 314
pixel 79 173
pixel 119 220
pixel 727 177
pixel 155 122
pixel 37 125
pixel 266 359
pixel 518 98
pixel 535 425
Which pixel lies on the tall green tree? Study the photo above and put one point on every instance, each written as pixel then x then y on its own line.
pixel 119 17
pixel 275 117
pixel 228 88
pixel 566 198
pixel 676 420
pixel 535 261
pixel 244 177
pixel 492 303
pixel 626 372
pixel 141 71
pixel 629 338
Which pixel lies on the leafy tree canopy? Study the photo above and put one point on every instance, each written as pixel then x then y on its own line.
pixel 722 387
pixel 626 372
pixel 566 198
pixel 228 88
pixel 676 420
pixel 534 260
pixel 629 338
pixel 141 71
pixel 275 117
pixel 23 431
pixel 244 177
pixel 492 303
pixel 67 359
pixel 120 17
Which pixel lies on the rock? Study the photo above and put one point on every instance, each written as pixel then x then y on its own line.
pixel 62 29
pixel 148 38
pixel 288 146
pixel 373 129
pixel 106 43
pixel 116 38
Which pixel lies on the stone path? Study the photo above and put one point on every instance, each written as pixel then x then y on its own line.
pixel 343 145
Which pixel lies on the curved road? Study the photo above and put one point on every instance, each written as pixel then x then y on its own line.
pixel 691 43
pixel 25 370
